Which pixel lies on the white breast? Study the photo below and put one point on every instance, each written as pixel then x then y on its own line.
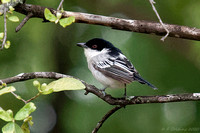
pixel 100 56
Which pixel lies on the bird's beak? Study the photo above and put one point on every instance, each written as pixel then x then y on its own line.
pixel 81 45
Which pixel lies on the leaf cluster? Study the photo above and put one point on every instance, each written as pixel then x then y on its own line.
pixel 64 22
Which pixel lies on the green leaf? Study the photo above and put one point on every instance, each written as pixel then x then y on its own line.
pixel 7 45
pixel 44 90
pixel 66 84
pixel 11 8
pixel 58 15
pixel 67 21
pixel 6 115
pixel 1 35
pixel 25 127
pixel 13 18
pixel 5 1
pixel 25 111
pixel 36 84
pixel 12 128
pixel 29 120
pixel 7 90
pixel 49 16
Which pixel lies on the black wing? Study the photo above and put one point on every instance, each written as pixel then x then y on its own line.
pixel 119 68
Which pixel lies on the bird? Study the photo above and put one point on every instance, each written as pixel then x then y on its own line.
pixel 109 65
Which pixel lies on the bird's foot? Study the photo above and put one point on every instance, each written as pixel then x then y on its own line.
pixel 103 91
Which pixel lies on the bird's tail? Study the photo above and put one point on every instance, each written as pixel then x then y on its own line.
pixel 142 81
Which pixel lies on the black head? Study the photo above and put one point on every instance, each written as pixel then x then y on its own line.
pixel 99 44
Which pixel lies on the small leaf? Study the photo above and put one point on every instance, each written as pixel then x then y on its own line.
pixel 58 15
pixel 11 8
pixel 36 83
pixel 25 111
pixel 29 120
pixel 5 1
pixel 47 91
pixel 49 16
pixel 62 10
pixel 4 84
pixel 6 115
pixel 7 90
pixel 67 21
pixel 66 84
pixel 9 128
pixel 13 18
pixel 12 128
pixel 44 90
pixel 25 127
pixel 7 45
pixel 43 86
pixel 1 35
pixel 57 20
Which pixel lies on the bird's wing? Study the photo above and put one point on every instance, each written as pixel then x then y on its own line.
pixel 119 68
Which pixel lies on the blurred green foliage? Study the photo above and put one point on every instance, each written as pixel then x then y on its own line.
pixel 172 66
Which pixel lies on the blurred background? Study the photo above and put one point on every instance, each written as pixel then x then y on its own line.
pixel 172 66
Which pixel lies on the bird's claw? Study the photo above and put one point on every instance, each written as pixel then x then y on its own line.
pixel 103 92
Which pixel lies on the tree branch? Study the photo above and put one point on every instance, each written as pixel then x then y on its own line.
pixel 106 97
pixel 108 114
pixel 120 102
pixel 140 26
pixel 28 16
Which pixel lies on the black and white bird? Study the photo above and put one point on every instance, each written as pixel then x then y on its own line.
pixel 109 65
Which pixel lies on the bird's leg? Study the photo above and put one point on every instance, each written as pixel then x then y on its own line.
pixel 125 90
pixel 103 91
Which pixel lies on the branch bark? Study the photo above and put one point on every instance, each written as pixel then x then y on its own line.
pixel 106 97
pixel 105 117
pixel 140 26
pixel 120 102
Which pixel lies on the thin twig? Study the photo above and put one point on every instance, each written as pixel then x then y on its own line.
pixel 5 29
pixel 18 97
pixel 152 2
pixel 33 98
pixel 1 82
pixel 28 16
pixel 107 115
pixel 60 5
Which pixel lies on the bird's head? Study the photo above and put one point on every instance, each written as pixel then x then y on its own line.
pixel 98 45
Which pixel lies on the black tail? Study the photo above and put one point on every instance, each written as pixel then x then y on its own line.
pixel 142 81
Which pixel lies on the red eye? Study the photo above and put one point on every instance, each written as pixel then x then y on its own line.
pixel 94 46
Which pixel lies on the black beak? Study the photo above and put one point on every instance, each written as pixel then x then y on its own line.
pixel 81 45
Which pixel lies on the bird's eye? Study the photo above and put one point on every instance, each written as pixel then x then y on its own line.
pixel 94 46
